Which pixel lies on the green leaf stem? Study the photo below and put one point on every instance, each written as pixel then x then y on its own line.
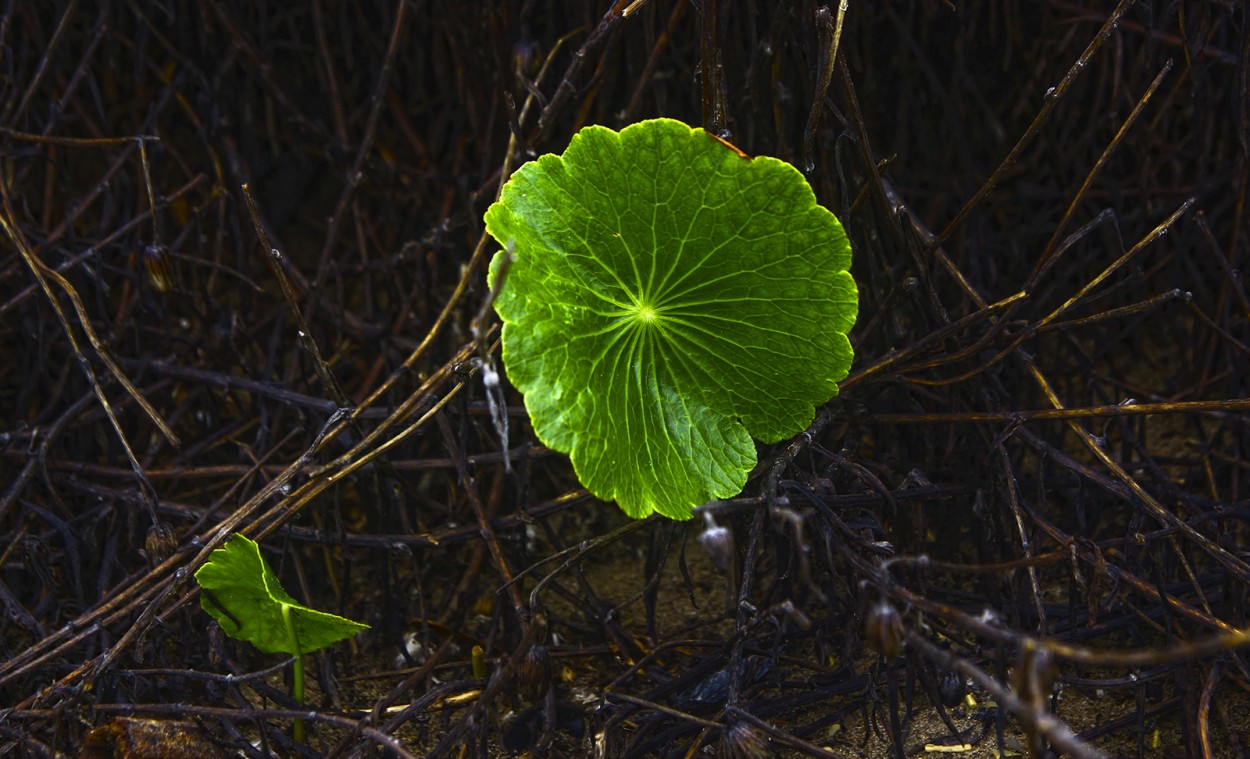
pixel 249 603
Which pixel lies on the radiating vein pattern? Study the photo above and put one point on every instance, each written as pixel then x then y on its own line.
pixel 669 301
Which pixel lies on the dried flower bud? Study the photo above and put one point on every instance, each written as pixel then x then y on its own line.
pixel 527 58
pixel 884 630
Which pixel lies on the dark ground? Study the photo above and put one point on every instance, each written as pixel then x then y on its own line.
pixel 1047 202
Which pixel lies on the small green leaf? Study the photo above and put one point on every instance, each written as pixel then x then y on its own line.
pixel 669 299
pixel 246 599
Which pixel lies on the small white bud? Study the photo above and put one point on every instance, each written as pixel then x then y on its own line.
pixel 718 542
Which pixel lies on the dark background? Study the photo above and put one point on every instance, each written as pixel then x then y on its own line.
pixel 975 151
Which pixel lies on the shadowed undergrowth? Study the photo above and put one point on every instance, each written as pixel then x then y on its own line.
pixel 1032 487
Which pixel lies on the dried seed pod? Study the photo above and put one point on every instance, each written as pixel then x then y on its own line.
pixel 534 674
pixel 952 688
pixel 130 738
pixel 160 543
pixel 742 740
pixel 884 630
pixel 158 267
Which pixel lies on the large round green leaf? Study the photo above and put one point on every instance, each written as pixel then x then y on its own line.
pixel 669 299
